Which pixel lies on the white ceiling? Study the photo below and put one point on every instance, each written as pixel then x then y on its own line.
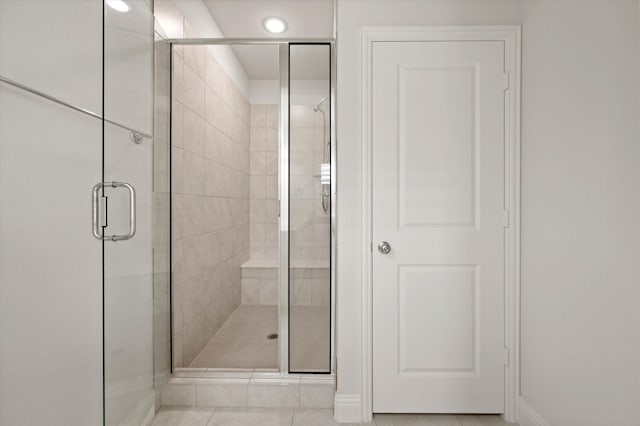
pixel 305 19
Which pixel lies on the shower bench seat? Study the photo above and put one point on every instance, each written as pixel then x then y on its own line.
pixel 309 282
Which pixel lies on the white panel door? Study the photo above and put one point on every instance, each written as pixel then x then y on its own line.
pixel 438 200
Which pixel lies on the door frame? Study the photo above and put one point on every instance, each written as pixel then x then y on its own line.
pixel 283 45
pixel 511 36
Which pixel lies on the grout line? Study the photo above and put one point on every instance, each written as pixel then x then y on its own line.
pixel 213 411
pixel 204 80
pixel 215 162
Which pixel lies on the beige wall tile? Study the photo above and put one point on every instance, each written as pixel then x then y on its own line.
pixel 271 191
pixel 320 291
pixel 301 291
pixel 258 211
pixel 276 395
pixel 257 187
pixel 268 291
pixel 193 90
pixel 258 116
pixel 316 395
pixel 301 116
pixel 271 234
pixel 178 89
pixel 271 140
pixel 301 163
pixel 177 124
pixel 258 163
pixel 251 417
pixel 179 395
pixel 211 187
pixel 193 173
pixel 301 139
pixel 301 187
pixel 250 291
pixel 271 163
pixel 195 56
pixel 258 139
pixel 229 394
pixel 272 114
pixel 193 132
pixel 177 175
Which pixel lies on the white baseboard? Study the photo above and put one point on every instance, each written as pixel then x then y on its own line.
pixel 527 416
pixel 347 408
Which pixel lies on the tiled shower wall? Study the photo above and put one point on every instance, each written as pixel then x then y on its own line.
pixel 309 231
pixel 310 238
pixel 309 223
pixel 264 181
pixel 210 187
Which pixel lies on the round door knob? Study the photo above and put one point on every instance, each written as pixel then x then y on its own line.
pixel 384 247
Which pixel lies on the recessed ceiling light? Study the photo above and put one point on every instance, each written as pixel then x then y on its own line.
pixel 118 5
pixel 275 25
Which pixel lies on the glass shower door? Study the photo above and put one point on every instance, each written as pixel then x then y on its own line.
pixel 128 289
pixel 50 264
pixel 309 208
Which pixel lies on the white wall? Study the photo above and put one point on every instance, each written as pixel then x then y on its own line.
pixel 580 210
pixel 50 264
pixel 580 234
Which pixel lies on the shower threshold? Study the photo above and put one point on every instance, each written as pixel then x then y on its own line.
pixel 250 386
pixel 253 389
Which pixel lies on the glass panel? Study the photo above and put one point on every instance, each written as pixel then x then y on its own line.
pixel 128 264
pixel 224 200
pixel 50 264
pixel 309 209
pixel 161 216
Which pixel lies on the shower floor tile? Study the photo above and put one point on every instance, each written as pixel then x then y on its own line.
pixel 309 340
pixel 242 341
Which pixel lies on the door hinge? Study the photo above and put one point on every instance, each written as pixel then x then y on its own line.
pixel 505 83
pixel 505 218
pixel 506 357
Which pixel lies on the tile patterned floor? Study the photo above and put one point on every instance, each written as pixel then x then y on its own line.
pixel 242 341
pixel 306 417
pixel 310 338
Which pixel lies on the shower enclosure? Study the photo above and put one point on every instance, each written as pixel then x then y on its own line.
pixel 251 207
pixel 90 297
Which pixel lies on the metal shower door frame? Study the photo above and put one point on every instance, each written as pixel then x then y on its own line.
pixel 283 178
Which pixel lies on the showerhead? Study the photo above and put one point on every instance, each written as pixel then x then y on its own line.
pixel 317 107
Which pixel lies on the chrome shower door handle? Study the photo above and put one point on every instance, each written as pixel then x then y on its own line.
pixel 99 215
pixel 96 212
